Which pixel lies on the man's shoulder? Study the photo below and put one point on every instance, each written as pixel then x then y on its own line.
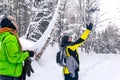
pixel 9 36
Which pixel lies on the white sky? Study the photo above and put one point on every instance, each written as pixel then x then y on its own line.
pixel 112 7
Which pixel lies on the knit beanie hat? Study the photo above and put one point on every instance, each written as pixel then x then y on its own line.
pixel 7 23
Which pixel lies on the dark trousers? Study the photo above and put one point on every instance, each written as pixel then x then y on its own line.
pixel 68 76
pixel 8 78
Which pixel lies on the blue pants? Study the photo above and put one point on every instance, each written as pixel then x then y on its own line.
pixel 8 78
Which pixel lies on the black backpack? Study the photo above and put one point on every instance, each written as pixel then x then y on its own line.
pixel 61 57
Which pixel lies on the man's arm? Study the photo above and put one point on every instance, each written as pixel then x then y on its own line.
pixel 82 38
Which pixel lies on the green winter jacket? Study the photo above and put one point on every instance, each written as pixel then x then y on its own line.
pixel 11 57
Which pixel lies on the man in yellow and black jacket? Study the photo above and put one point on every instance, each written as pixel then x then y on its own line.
pixel 71 50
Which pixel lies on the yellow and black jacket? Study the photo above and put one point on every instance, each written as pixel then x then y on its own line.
pixel 71 49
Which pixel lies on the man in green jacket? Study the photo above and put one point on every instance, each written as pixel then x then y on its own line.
pixel 11 54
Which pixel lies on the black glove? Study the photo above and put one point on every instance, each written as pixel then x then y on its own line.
pixel 28 67
pixel 31 53
pixel 89 26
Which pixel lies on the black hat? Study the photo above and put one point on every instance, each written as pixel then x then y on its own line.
pixel 7 23
pixel 64 41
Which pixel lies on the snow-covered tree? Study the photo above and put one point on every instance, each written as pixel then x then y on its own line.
pixel 42 14
pixel 19 9
pixel 108 40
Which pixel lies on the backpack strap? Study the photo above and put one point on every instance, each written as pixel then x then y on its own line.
pixel 64 52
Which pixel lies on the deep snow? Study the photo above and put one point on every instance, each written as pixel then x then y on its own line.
pixel 100 67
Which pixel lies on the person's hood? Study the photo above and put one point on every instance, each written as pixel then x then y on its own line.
pixel 64 41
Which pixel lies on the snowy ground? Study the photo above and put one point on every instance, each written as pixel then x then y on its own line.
pixel 92 67
pixel 100 67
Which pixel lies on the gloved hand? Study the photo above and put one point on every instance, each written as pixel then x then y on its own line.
pixel 31 53
pixel 89 26
pixel 28 67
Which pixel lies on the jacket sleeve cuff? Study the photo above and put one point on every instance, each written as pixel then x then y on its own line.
pixel 26 54
pixel 85 34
